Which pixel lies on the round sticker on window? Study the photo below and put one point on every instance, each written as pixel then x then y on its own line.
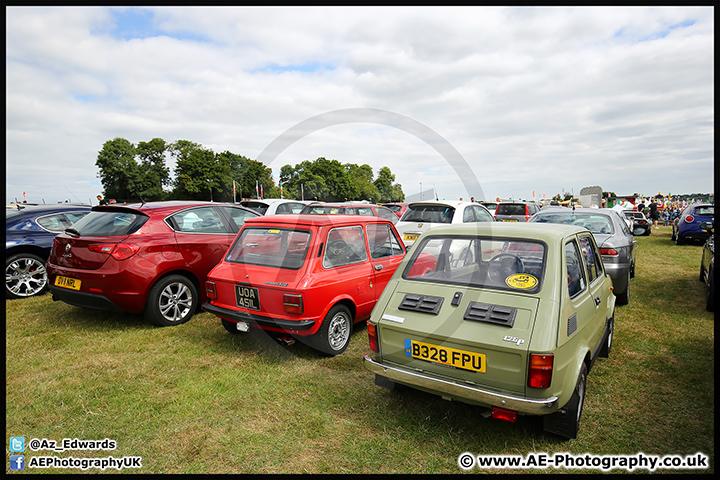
pixel 523 281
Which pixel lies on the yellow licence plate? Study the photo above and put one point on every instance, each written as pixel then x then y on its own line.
pixel 446 356
pixel 410 237
pixel 509 220
pixel 66 282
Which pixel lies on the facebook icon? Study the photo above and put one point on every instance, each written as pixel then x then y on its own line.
pixel 17 462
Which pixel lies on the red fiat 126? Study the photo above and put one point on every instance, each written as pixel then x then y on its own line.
pixel 309 276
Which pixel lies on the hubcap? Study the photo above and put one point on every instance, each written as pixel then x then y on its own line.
pixel 338 331
pixel 175 302
pixel 25 277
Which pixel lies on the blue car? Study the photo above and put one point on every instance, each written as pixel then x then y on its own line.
pixel 29 234
pixel 686 227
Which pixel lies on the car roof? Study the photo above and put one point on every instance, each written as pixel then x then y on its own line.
pixel 450 203
pixel 546 232
pixel 46 208
pixel 163 207
pixel 315 220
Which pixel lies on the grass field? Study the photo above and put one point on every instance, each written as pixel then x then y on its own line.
pixel 196 399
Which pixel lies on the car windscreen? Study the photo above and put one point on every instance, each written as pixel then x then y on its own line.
pixel 102 224
pixel 512 264
pixel 270 247
pixel 429 213
pixel 595 223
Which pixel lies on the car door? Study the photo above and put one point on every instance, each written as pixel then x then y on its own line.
pixel 386 253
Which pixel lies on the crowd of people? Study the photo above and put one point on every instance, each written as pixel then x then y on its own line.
pixel 659 212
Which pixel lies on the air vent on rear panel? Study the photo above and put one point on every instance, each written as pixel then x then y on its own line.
pixel 495 314
pixel 421 303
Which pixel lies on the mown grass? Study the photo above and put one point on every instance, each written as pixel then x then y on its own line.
pixel 196 399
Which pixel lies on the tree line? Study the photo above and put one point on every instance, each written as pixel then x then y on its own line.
pixel 131 173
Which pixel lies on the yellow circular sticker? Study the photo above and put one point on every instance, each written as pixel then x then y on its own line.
pixel 521 280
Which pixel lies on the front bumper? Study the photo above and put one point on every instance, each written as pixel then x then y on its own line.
pixel 530 406
pixel 259 320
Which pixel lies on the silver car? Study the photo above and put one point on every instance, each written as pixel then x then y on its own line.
pixel 617 244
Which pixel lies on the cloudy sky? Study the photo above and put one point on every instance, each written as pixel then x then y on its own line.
pixel 484 102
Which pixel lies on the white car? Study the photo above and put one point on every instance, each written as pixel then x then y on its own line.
pixel 275 206
pixel 422 216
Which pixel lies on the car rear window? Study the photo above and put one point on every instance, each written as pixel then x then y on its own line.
pixel 705 210
pixel 514 264
pixel 510 209
pixel 108 224
pixel 429 213
pixel 270 247
pixel 595 223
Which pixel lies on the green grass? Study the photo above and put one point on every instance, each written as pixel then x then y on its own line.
pixel 196 399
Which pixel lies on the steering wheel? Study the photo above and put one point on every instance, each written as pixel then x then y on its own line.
pixel 336 248
pixel 504 265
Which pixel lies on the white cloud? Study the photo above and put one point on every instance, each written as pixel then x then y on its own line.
pixel 539 99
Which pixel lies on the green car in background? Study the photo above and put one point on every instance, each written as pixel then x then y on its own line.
pixel 509 317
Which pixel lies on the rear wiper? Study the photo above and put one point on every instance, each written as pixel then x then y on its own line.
pixel 72 232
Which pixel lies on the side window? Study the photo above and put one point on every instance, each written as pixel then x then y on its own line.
pixel 73 217
pixel 592 259
pixel 238 215
pixel 482 215
pixel 468 215
pixel 54 223
pixel 198 220
pixel 344 245
pixel 365 211
pixel 575 272
pixel 382 241
pixel 387 215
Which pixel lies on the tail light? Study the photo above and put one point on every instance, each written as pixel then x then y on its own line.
pixel 689 219
pixel 372 336
pixel 504 414
pixel 293 303
pixel 210 290
pixel 609 251
pixel 119 251
pixel 540 372
pixel 527 213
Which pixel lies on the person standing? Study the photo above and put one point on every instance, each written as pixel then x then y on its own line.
pixel 653 212
pixel 101 200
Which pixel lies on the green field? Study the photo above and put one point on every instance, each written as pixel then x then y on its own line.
pixel 196 399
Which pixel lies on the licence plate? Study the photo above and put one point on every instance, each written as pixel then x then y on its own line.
pixel 410 237
pixel 509 220
pixel 67 282
pixel 446 356
pixel 247 297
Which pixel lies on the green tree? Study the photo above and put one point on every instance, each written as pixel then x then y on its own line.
pixel 388 191
pixel 154 174
pixel 197 173
pixel 119 172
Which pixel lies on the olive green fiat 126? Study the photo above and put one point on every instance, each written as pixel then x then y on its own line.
pixel 509 317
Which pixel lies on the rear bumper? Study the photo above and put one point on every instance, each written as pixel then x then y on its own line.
pixel 81 299
pixel 530 406
pixel 259 320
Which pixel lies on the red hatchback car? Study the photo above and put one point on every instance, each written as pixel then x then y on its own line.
pixel 150 258
pixel 310 276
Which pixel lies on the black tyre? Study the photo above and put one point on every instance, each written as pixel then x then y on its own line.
pixel 172 301
pixel 333 337
pixel 25 276
pixel 566 422
pixel 710 298
pixel 624 297
pixel 679 240
pixel 607 346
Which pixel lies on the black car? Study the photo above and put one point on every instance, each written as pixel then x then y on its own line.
pixel 640 224
pixel 29 234
pixel 707 265
pixel 515 211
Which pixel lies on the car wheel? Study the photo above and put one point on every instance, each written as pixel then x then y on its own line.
pixel 624 297
pixel 333 336
pixel 672 235
pixel 710 298
pixel 679 240
pixel 607 346
pixel 172 301
pixel 25 276
pixel 566 423
pixel 702 274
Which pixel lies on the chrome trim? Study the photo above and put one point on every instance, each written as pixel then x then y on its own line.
pixel 532 406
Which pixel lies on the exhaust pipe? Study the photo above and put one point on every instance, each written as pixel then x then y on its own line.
pixel 286 341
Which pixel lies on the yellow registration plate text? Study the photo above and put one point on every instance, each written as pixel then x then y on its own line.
pixel 410 237
pixel 509 220
pixel 446 356
pixel 66 282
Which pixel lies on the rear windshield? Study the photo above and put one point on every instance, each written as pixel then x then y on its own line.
pixel 705 210
pixel 510 209
pixel 327 209
pixel 514 264
pixel 595 223
pixel 102 224
pixel 270 247
pixel 429 213
pixel 261 208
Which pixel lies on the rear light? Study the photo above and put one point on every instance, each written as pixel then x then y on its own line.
pixel 689 219
pixel 120 251
pixel 210 290
pixel 293 303
pixel 609 251
pixel 540 372
pixel 504 414
pixel 527 213
pixel 372 336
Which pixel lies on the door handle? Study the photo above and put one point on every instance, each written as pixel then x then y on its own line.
pixel 378 267
pixel 597 301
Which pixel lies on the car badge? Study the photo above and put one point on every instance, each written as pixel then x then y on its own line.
pixel 67 247
pixel 420 225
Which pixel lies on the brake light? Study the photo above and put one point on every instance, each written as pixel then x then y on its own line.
pixel 527 213
pixel 504 414
pixel 609 251
pixel 540 371
pixel 210 290
pixel 689 219
pixel 293 303
pixel 120 251
pixel 372 336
